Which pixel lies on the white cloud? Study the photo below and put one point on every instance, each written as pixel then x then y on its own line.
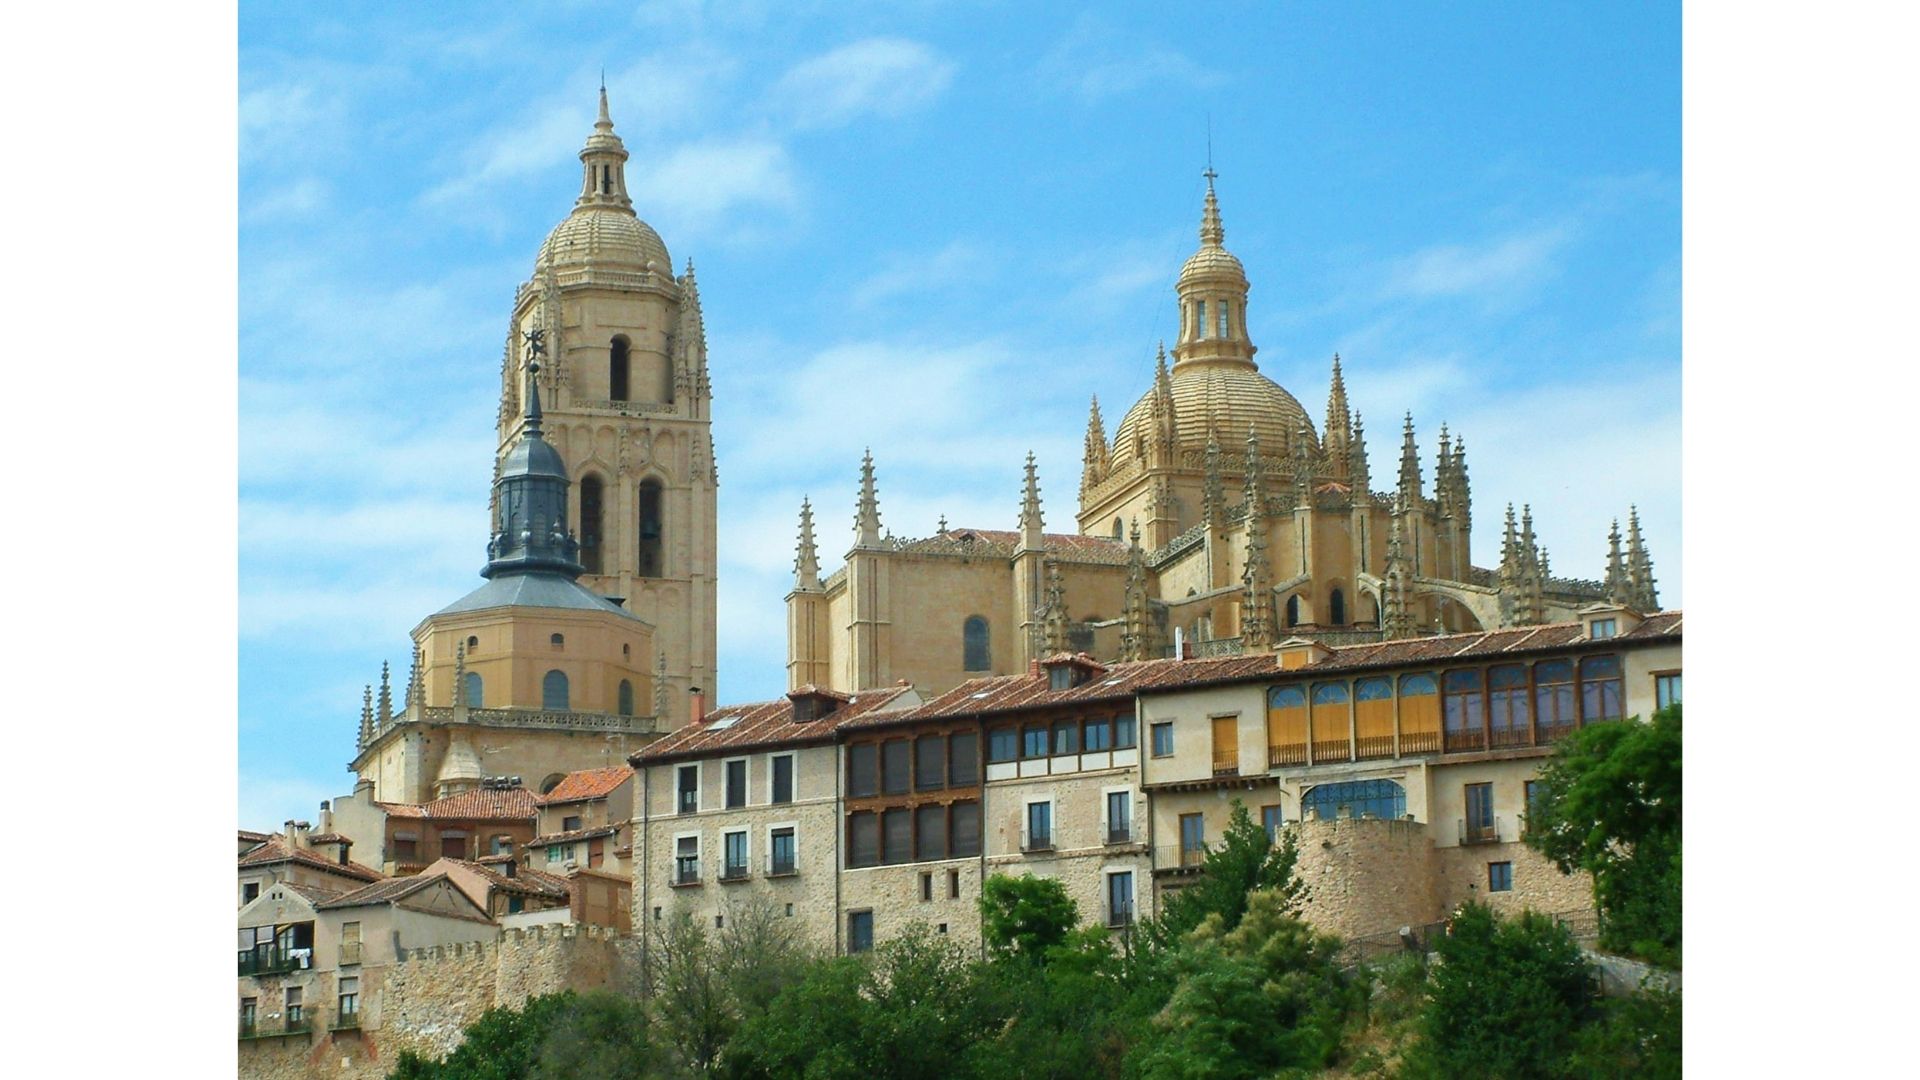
pixel 960 263
pixel 702 183
pixel 282 202
pixel 1509 263
pixel 879 76
pixel 1093 62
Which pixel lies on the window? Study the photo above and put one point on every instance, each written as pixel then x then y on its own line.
pixel 1226 745
pixel 1123 731
pixel 736 792
pixel 349 997
pixel 1286 726
pixel 617 370
pixel 1120 898
pixel 686 860
pixel 649 564
pixel 473 645
pixel 859 931
pixel 930 832
pixel 1499 877
pixel 977 655
pixel 930 762
pixel 249 1015
pixel 734 849
pixel 896 836
pixel 1553 699
pixel 1600 691
pixel 1271 820
pixel 863 761
pixel 863 841
pixel 1193 839
pixel 1039 826
pixel 1066 738
pixel 689 788
pixel 1332 723
pixel 1119 817
pixel 1060 677
pixel 592 501
pixel 1099 736
pixel 1464 707
pixel 782 778
pixel 1035 740
pixel 570 823
pixel 1199 318
pixel 558 853
pixel 1355 798
pixel 558 641
pixel 500 844
pixel 349 943
pixel 1604 628
pixel 1118 532
pixel 249 892
pixel 966 828
pixel 1003 744
pixel 553 691
pixel 1666 690
pixel 476 691
pixel 625 703
pixel 953 884
pixel 1535 792
pixel 1419 714
pixel 406 848
pixel 1293 611
pixel 893 766
pixel 780 845
pixel 1220 308
pixel 963 760
pixel 1479 825
pixel 1510 723
pixel 1163 739
pixel 1337 608
pixel 926 886
pixel 515 905
pixel 296 1007
pixel 1373 717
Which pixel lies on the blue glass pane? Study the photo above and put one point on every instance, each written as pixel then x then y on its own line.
pixel 1373 690
pixel 1356 798
pixel 1331 693
pixel 1286 697
pixel 1463 680
pixel 1417 685
pixel 1594 667
pixel 1507 675
pixel 1553 671
pixel 553 691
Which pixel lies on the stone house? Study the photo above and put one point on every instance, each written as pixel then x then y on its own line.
pixel 498 817
pixel 586 821
pixel 298 855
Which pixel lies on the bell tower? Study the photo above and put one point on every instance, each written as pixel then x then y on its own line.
pixel 625 387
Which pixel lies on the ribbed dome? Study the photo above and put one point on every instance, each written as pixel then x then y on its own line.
pixel 603 236
pixel 1209 262
pixel 1234 397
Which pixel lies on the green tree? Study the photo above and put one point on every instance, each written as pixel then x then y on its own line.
pixel 1025 916
pixel 602 1035
pixel 691 1008
pixel 1242 862
pixel 503 1044
pixel 1506 1000
pixel 1609 804
pixel 1637 1039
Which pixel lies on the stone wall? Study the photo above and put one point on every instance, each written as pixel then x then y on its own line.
pixel 1366 875
pixel 1461 875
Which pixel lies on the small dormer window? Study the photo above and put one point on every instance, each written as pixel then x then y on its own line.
pixel 1060 677
pixel 1603 628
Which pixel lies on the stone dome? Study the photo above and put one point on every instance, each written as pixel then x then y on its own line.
pixel 1233 397
pixel 603 236
pixel 1211 261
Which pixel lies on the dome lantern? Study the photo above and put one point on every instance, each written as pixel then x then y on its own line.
pixel 1213 297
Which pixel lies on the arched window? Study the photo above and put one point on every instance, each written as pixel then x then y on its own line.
pixel 1286 726
pixel 592 502
pixel 1419 714
pixel 1600 689
pixel 1118 532
pixel 1553 699
pixel 650 529
pixel 1373 717
pixel 1509 721
pixel 626 698
pixel 473 644
pixel 1337 608
pixel 559 641
pixel 1355 798
pixel 552 781
pixel 1464 704
pixel 619 369
pixel 1293 610
pixel 1332 723
pixel 978 654
pixel 476 692
pixel 553 691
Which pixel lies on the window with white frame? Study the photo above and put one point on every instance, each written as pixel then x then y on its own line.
pixel 1119 898
pixel 686 860
pixel 783 851
pixel 687 787
pixel 736 783
pixel 782 779
pixel 1039 831
pixel 734 848
pixel 1119 817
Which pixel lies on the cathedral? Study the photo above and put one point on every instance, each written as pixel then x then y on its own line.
pixel 1215 520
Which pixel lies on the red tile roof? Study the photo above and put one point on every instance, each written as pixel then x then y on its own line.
pixel 276 850
pixel 480 804
pixel 571 835
pixel 527 882
pixel 763 724
pixel 587 784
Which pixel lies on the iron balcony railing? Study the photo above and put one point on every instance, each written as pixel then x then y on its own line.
pixel 1120 834
pixel 1038 842
pixel 347 1020
pixel 778 866
pixel 734 872
pixel 249 1029
pixel 1486 832
pixel 299 1022
pixel 686 872
pixel 1120 916
pixel 273 960
pixel 1173 858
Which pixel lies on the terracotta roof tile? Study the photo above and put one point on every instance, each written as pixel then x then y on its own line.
pixel 276 850
pixel 525 881
pixel 763 724
pixel 329 838
pixel 314 893
pixel 587 784
pixel 480 804
pixel 571 835
pixel 383 892
pixel 254 837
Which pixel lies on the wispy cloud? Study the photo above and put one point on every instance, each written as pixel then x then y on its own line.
pixel 283 202
pixel 960 263
pixel 1094 62
pixel 1506 263
pixel 881 76
pixel 701 183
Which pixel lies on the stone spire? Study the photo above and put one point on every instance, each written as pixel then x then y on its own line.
pixel 1409 466
pixel 1251 488
pixel 604 166
pixel 1137 640
pixel 1462 490
pixel 1256 595
pixel 866 518
pixel 1032 522
pixel 530 523
pixel 386 696
pixel 1338 438
pixel 366 716
pixel 660 687
pixel 806 559
pixel 1166 428
pixel 1097 460
pixel 1639 567
pixel 1357 460
pixel 690 343
pixel 1396 610
pixel 460 676
pixel 416 685
pixel 1303 465
pixel 1212 233
pixel 1213 493
pixel 1618 590
pixel 1057 639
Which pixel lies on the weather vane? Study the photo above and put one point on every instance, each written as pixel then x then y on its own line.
pixel 536 342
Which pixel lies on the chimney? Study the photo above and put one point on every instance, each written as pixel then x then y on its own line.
pixel 1186 650
pixel 326 816
pixel 1033 667
pixel 697 702
pixel 510 866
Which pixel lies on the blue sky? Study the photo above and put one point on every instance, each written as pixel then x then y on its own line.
pixel 935 230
